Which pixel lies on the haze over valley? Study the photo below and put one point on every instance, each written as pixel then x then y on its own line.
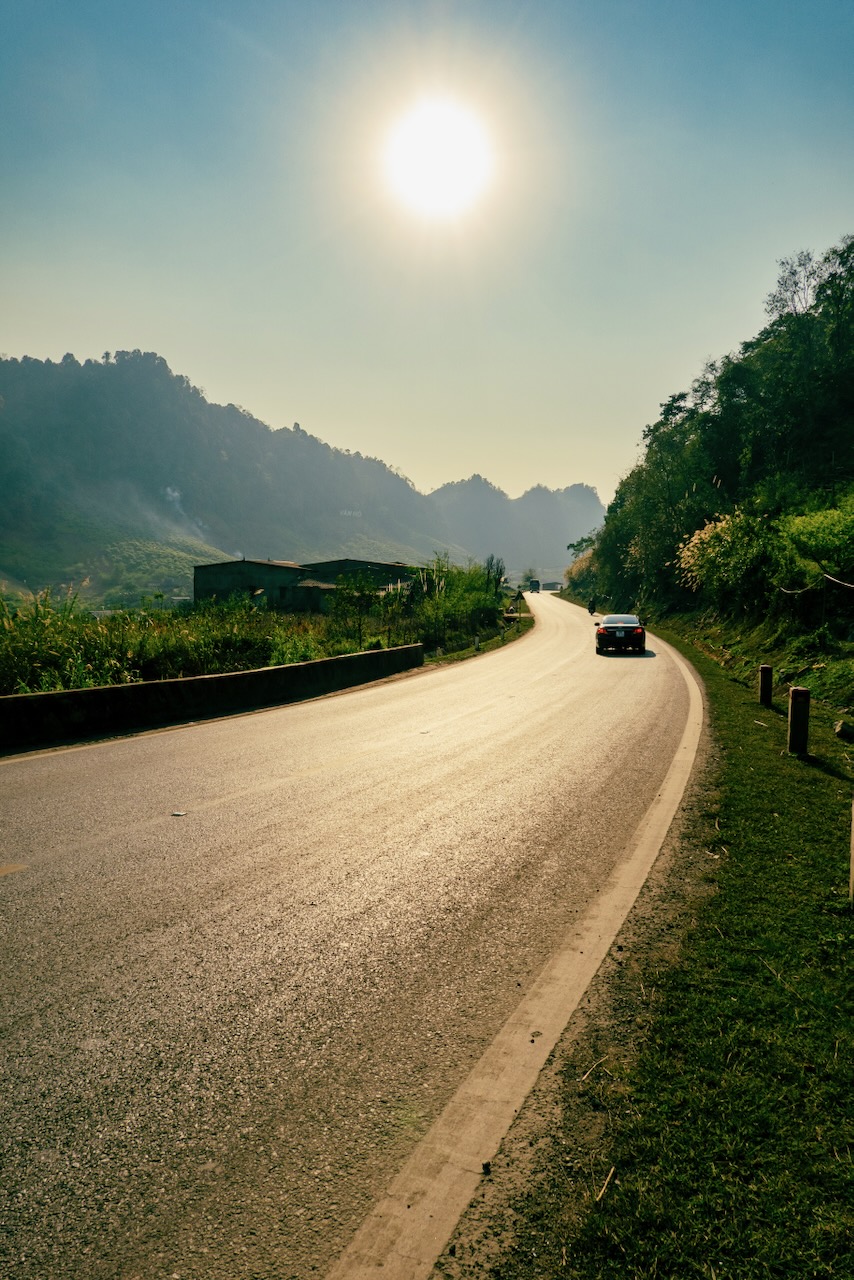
pixel 118 476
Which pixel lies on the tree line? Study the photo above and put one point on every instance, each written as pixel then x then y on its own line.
pixel 743 500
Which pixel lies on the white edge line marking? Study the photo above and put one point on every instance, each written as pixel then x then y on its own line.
pixel 407 1229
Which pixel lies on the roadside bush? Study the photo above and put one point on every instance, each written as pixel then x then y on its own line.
pixel 738 561
pixel 47 645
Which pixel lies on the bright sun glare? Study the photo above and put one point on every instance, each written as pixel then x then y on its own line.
pixel 438 159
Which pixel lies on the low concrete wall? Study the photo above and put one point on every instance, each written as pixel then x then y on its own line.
pixel 30 720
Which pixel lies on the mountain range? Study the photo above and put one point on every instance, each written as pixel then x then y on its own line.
pixel 118 476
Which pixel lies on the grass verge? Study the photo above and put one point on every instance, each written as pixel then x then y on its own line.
pixel 521 627
pixel 723 1125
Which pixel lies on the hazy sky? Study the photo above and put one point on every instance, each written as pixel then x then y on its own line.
pixel 201 179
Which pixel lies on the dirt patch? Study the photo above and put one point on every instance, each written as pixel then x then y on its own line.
pixel 556 1160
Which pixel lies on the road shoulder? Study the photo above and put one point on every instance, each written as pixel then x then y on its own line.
pixel 555 1160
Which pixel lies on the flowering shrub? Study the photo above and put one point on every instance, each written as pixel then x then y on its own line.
pixel 737 560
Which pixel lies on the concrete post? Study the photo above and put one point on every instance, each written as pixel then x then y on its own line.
pixel 765 679
pixel 799 720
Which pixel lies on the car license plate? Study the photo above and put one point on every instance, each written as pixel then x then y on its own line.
pixel 619 634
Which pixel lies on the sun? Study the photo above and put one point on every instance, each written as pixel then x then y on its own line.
pixel 438 159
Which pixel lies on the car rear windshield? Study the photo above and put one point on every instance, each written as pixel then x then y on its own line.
pixel 621 620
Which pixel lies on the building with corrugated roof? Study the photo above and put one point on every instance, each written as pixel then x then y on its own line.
pixel 291 587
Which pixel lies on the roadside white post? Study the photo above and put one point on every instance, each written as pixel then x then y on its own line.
pixel 799 720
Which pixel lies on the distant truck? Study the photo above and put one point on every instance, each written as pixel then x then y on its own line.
pixel 534 584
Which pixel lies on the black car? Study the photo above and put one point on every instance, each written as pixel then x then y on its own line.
pixel 620 631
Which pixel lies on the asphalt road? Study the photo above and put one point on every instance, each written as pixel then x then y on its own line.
pixel 247 962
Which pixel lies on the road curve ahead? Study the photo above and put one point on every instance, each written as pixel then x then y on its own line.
pixel 249 963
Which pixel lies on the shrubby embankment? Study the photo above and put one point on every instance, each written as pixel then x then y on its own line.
pixel 47 645
pixel 742 506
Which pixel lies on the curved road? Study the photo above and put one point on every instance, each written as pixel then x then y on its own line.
pixel 248 962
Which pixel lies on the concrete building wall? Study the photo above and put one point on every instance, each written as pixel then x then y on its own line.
pixel 275 580
pixel 30 720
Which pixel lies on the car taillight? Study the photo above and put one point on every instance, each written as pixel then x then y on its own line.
pixel 601 631
pixel 638 631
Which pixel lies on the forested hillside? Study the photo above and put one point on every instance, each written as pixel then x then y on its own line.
pixel 120 474
pixel 744 498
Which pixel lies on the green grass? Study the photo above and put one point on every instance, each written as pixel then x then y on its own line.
pixel 513 632
pixel 729 1121
pixel 818 660
pixel 48 645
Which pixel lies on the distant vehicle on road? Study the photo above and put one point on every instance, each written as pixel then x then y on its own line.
pixel 535 584
pixel 620 631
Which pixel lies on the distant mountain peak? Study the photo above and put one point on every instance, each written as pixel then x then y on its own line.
pixel 474 482
pixel 102 461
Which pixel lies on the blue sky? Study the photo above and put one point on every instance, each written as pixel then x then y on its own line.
pixel 201 180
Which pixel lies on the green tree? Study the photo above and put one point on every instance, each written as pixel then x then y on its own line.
pixel 765 433
pixel 356 599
